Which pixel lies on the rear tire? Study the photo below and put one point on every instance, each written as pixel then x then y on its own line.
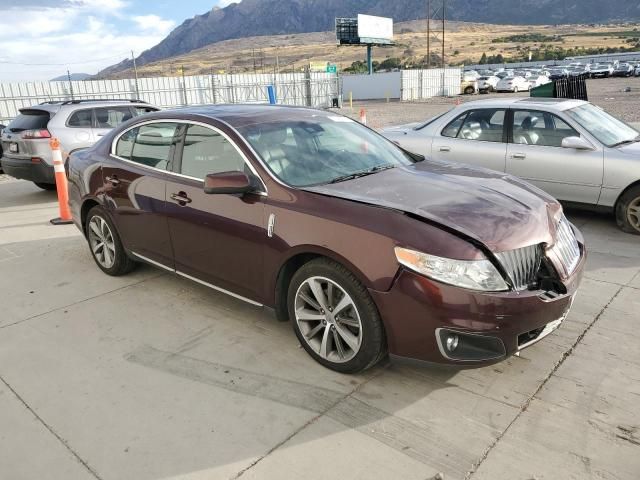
pixel 628 211
pixel 105 244
pixel 45 186
pixel 342 330
pixel 469 91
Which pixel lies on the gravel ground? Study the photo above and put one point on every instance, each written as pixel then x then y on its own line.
pixel 607 93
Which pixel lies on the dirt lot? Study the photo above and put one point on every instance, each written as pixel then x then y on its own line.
pixel 607 93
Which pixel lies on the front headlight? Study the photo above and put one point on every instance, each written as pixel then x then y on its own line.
pixel 472 274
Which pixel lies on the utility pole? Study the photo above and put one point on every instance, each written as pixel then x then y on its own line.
pixel 70 84
pixel 135 71
pixel 428 33
pixel 444 16
pixel 436 11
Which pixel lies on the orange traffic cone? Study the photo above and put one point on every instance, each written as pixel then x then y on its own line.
pixel 61 184
pixel 363 116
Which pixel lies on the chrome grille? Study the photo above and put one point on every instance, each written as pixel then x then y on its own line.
pixel 566 248
pixel 522 265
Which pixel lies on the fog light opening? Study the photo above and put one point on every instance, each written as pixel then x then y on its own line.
pixel 452 342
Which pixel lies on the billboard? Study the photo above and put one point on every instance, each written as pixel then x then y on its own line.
pixel 378 28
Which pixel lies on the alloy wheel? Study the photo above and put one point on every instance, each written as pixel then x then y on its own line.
pixel 633 213
pixel 101 241
pixel 328 319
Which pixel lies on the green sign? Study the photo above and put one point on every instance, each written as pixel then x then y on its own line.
pixel 332 69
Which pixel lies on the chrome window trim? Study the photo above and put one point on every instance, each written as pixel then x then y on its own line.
pixel 197 280
pixel 116 139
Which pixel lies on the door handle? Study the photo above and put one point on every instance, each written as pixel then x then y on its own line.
pixel 113 180
pixel 445 149
pixel 101 134
pixel 519 156
pixel 181 198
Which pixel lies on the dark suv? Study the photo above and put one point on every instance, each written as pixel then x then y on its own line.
pixel 364 247
pixel 76 123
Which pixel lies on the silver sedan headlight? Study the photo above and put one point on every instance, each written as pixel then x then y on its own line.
pixel 479 275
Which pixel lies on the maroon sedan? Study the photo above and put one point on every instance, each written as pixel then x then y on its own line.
pixel 367 249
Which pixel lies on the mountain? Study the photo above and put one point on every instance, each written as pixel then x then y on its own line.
pixel 74 76
pixel 275 17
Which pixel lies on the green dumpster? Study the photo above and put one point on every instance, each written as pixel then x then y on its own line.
pixel 546 90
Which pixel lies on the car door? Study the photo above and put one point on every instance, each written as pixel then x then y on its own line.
pixel 217 239
pixel 108 118
pixel 535 154
pixel 475 137
pixel 135 180
pixel 79 131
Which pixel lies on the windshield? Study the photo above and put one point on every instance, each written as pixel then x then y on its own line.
pixel 607 129
pixel 323 150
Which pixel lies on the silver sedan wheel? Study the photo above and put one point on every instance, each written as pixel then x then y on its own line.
pixel 328 319
pixel 633 213
pixel 101 242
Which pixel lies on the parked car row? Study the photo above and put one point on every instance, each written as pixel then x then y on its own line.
pixel 591 70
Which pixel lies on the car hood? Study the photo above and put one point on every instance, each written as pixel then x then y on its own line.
pixel 630 149
pixel 403 128
pixel 495 209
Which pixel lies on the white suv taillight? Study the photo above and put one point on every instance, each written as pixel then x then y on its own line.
pixel 35 134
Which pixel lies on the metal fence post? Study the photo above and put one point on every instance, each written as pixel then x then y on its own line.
pixel 307 85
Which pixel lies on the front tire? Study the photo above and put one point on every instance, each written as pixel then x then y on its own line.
pixel 105 244
pixel 628 211
pixel 335 318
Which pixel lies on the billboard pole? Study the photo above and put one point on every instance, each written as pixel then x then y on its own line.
pixel 370 59
pixel 428 33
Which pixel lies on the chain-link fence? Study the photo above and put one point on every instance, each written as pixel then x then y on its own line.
pixel 308 89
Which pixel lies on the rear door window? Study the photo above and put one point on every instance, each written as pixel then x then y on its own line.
pixel 29 120
pixel 154 145
pixel 111 117
pixel 81 119
pixel 486 125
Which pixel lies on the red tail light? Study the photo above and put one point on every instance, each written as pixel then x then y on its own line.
pixel 35 134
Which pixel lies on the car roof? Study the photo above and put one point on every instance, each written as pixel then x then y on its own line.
pixel 56 106
pixel 242 115
pixel 557 104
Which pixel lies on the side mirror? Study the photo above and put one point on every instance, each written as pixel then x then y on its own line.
pixel 232 183
pixel 576 143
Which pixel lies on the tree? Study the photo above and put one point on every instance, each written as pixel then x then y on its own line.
pixel 483 59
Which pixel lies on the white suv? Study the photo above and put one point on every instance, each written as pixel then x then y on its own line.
pixel 76 123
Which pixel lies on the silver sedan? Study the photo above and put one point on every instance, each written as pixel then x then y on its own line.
pixel 570 148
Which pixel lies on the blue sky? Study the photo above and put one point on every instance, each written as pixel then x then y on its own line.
pixel 40 39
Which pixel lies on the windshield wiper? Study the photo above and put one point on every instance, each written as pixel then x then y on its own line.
pixel 626 142
pixel 364 173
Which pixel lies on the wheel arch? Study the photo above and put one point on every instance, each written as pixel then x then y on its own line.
pixel 622 194
pixel 295 259
pixel 87 205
